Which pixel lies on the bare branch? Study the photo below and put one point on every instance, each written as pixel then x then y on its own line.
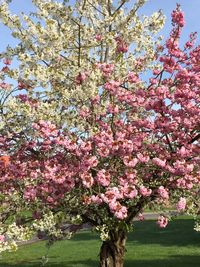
pixel 97 9
pixel 195 138
pixel 119 7
pixel 79 45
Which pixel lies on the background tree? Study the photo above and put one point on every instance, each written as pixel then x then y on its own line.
pixel 87 137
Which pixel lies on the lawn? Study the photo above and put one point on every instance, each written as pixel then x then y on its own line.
pixel 148 246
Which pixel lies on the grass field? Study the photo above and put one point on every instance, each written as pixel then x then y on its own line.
pixel 148 246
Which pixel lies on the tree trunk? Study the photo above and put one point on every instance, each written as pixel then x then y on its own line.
pixel 113 250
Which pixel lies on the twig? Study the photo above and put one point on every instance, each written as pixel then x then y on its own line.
pixel 79 45
pixel 119 7
pixel 195 138
pixel 102 13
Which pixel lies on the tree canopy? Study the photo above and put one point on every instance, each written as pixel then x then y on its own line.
pixel 99 120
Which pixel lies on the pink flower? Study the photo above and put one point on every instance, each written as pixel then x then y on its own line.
pixel 87 179
pixel 132 77
pixel 7 61
pixel 145 191
pixel 106 68
pixel 96 199
pixel 30 193
pixel 5 69
pixel 98 37
pixel 162 221
pixel 181 205
pixel 127 146
pixel 119 211
pixel 4 86
pixel 163 193
pixel 153 81
pixel 86 200
pixel 113 109
pixel 122 46
pixel 130 162
pixel 178 17
pixel 81 77
pixel 92 161
pixel 189 168
pixel 111 195
pixel 50 200
pixel 129 191
pixel 181 167
pixel 46 128
pixel 2 238
pixel 21 85
pixel 112 86
pixel 159 162
pixel 182 152
pixel 103 151
pixel 84 112
pixel 131 174
pixel 142 158
pixel 156 72
pixel 169 63
pixel 86 146
pixel 140 217
pixel 103 177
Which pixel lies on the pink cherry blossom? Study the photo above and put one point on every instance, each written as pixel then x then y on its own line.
pixel 30 193
pixel 81 77
pixel 178 17
pixel 7 61
pixel 119 211
pixel 181 205
pixel 96 199
pixel 87 179
pixel 122 46
pixel 129 191
pixel 2 238
pixel 159 162
pixel 141 217
pixel 163 192
pixel 143 158
pixel 145 191
pixel 98 37
pixel 132 77
pixel 111 195
pixel 106 68
pixel 162 221
pixel 130 162
pixel 103 177
pixel 4 85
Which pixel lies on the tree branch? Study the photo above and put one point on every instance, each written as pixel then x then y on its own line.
pixel 195 138
pixel 79 44
pixel 119 7
pixel 102 13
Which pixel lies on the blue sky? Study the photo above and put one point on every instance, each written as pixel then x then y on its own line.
pixel 191 9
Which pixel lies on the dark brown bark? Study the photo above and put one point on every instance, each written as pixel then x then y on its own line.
pixel 113 250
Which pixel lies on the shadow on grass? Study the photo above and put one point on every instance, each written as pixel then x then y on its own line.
pixel 173 261
pixel 179 232
pixel 85 236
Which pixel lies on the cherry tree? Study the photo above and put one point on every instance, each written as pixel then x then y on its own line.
pixel 85 136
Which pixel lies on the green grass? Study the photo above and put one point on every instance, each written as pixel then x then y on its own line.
pixel 148 246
